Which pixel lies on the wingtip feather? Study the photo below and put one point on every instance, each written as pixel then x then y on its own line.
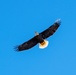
pixel 58 21
pixel 16 48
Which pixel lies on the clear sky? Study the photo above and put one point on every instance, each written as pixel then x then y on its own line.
pixel 19 19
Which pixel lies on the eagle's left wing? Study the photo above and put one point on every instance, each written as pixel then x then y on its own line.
pixel 51 30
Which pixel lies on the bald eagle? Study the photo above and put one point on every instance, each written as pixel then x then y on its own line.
pixel 40 38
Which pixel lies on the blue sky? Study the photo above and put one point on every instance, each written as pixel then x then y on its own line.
pixel 19 19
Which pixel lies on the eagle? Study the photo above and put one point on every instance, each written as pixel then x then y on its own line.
pixel 40 37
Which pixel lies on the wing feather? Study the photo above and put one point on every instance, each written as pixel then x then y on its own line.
pixel 28 44
pixel 45 34
pixel 49 31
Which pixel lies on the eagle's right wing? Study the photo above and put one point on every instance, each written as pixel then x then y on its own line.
pixel 28 44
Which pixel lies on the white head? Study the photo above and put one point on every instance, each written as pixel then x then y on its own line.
pixel 36 33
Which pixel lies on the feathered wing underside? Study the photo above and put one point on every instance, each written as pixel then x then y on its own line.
pixel 50 31
pixel 26 45
pixel 45 34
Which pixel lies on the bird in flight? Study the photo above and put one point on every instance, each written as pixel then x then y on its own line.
pixel 40 38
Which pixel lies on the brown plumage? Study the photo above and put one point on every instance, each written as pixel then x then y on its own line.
pixel 39 38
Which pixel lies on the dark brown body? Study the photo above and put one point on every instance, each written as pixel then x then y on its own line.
pixel 39 38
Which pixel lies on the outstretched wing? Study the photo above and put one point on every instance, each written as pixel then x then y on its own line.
pixel 51 30
pixel 26 45
pixel 45 34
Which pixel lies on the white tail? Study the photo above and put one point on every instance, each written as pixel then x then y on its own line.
pixel 43 44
